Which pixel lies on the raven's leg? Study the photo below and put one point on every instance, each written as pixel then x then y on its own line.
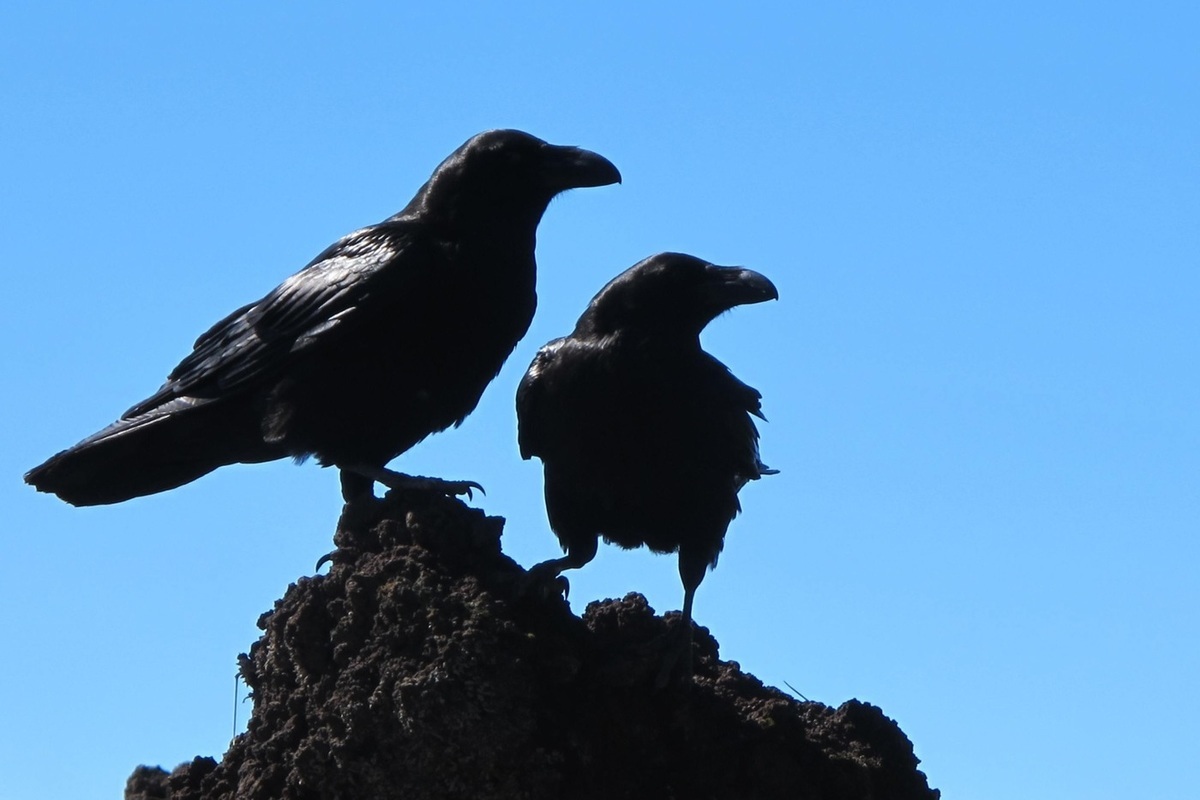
pixel 580 550
pixel 358 513
pixel 355 486
pixel 398 480
pixel 693 565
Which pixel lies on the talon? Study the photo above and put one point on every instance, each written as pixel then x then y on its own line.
pixel 463 487
pixel 453 488
pixel 677 659
pixel 340 555
pixel 543 584
pixel 402 482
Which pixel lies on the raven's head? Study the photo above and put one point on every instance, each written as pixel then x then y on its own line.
pixel 672 294
pixel 502 173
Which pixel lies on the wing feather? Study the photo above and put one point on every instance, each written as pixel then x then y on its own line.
pixel 255 342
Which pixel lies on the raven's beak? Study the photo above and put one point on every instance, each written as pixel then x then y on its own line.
pixel 576 168
pixel 727 287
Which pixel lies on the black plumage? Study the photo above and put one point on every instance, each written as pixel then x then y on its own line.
pixel 388 335
pixel 645 438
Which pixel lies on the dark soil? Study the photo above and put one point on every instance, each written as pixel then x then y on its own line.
pixel 422 667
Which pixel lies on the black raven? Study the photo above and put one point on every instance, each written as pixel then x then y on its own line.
pixel 645 438
pixel 388 335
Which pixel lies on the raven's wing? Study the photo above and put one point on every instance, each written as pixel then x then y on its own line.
pixel 534 407
pixel 737 429
pixel 257 341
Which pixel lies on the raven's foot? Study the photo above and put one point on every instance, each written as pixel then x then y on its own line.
pixel 359 514
pixel 677 658
pixel 544 580
pixel 341 555
pixel 416 483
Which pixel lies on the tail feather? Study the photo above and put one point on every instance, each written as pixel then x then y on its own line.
pixel 153 452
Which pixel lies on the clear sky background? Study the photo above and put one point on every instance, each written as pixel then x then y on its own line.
pixel 981 375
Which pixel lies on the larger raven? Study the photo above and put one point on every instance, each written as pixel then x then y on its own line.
pixel 388 335
pixel 645 438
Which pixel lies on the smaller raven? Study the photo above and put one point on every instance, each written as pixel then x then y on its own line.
pixel 645 438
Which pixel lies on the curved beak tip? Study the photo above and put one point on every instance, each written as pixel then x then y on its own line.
pixel 580 168
pixel 604 172
pixel 757 287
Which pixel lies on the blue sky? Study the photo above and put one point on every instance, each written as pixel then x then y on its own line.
pixel 981 375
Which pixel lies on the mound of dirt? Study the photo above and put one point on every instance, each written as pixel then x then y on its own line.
pixel 420 668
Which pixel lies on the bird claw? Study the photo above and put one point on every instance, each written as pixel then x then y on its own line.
pixel 418 483
pixel 342 555
pixel 467 486
pixel 449 488
pixel 677 660
pixel 543 584
pixel 559 586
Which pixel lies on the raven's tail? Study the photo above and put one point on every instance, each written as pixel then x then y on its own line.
pixel 167 447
